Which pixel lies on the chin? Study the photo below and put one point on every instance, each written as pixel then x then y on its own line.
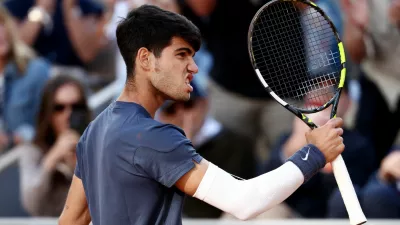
pixel 179 96
pixel 187 97
pixel 182 98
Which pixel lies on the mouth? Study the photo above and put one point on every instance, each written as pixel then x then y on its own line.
pixel 189 79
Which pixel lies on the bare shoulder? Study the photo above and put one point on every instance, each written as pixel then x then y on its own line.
pixel 189 182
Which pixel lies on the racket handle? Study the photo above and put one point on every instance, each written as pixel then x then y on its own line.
pixel 347 191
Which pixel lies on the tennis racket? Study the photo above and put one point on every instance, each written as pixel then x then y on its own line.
pixel 299 58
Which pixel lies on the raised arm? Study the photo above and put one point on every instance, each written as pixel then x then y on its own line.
pixel 249 198
pixel 85 32
pixel 76 210
pixel 36 18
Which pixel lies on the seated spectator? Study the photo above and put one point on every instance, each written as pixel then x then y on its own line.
pixel 371 38
pixel 47 165
pixel 228 150
pixel 320 197
pixel 22 77
pixel 380 198
pixel 66 32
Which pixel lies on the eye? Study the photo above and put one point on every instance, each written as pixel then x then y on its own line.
pixel 182 54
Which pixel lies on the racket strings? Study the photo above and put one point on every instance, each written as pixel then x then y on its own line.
pixel 294 49
pixel 317 95
pixel 283 46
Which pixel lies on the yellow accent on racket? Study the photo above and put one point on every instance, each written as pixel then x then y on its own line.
pixel 341 51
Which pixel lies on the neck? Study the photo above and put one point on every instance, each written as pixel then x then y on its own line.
pixel 143 94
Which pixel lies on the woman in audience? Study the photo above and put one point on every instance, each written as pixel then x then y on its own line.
pixel 47 165
pixel 21 82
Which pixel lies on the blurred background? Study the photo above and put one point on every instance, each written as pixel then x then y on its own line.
pixel 60 67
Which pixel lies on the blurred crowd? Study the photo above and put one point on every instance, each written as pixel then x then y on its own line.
pixel 55 54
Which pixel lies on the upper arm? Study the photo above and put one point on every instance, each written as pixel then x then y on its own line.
pixel 76 210
pixel 189 182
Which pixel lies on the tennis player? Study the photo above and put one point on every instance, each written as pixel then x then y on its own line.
pixel 132 169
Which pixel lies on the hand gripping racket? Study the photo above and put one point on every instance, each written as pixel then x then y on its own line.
pixel 298 56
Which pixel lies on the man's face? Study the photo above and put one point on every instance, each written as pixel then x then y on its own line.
pixel 174 69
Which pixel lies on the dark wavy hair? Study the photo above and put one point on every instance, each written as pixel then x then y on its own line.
pixel 153 28
pixel 45 135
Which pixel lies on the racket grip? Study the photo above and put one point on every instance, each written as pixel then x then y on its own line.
pixel 347 191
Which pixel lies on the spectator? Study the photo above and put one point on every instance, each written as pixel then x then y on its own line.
pixel 381 196
pixel 224 147
pixel 47 165
pixel 21 83
pixel 320 197
pixel 66 32
pixel 371 37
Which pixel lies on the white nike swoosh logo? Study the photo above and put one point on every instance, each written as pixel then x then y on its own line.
pixel 306 157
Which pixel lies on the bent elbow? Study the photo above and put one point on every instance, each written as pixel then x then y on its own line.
pixel 246 212
pixel 245 215
pixel 251 209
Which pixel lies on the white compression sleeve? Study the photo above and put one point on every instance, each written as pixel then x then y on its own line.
pixel 245 199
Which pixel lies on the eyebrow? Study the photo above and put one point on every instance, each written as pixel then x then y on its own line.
pixel 188 50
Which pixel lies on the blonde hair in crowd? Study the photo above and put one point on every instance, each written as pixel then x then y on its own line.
pixel 20 53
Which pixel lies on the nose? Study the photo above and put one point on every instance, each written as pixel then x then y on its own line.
pixel 193 68
pixel 67 112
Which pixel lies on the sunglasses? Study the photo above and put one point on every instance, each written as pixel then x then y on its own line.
pixel 74 106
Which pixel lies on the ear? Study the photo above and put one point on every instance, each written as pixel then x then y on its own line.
pixel 144 58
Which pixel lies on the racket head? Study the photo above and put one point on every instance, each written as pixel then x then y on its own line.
pixel 298 56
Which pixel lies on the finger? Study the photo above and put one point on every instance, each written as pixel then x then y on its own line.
pixel 340 148
pixel 339 140
pixel 335 122
pixel 333 133
pixel 339 131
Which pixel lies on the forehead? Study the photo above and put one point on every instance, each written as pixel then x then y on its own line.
pixel 68 93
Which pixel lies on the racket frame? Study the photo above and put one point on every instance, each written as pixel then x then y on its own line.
pixel 356 215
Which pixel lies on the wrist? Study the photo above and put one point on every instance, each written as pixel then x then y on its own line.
pixel 41 15
pixel 310 160
pixel 292 145
pixel 51 159
pixel 49 163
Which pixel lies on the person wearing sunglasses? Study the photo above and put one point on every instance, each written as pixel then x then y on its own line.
pixel 47 165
